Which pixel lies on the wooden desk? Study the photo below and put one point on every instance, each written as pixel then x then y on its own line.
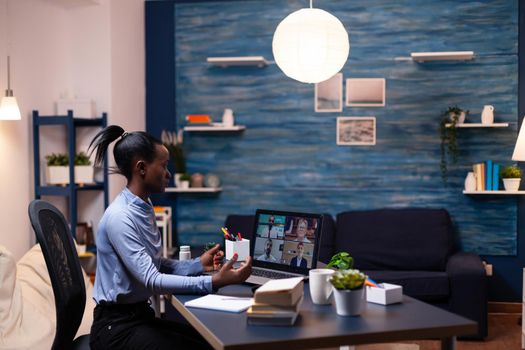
pixel 319 326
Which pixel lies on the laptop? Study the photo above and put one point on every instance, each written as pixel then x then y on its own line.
pixel 284 244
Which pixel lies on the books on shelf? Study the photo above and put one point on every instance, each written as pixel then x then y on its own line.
pixel 194 119
pixel 487 176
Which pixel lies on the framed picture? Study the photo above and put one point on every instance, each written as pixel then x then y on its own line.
pixel 356 131
pixel 329 94
pixel 365 92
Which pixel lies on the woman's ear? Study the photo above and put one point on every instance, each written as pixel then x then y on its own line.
pixel 141 167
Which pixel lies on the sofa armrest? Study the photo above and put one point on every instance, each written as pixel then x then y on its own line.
pixel 468 288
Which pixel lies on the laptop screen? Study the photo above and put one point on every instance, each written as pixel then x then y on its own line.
pixel 286 241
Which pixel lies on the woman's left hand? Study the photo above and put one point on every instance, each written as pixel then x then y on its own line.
pixel 212 259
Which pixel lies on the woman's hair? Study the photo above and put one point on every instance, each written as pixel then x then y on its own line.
pixel 132 145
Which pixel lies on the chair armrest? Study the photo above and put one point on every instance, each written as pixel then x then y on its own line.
pixel 468 288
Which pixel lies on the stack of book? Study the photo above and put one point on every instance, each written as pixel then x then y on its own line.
pixel 198 119
pixel 487 176
pixel 277 302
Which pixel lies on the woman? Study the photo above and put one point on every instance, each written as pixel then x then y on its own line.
pixel 130 268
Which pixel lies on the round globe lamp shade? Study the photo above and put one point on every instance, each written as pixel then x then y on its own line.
pixel 310 45
pixel 9 109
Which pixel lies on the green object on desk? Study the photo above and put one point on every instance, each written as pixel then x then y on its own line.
pixel 341 261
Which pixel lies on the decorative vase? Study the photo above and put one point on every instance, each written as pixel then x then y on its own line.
pixel 470 182
pixel 349 302
pixel 176 177
pixel 511 184
pixel 487 115
pixel 197 180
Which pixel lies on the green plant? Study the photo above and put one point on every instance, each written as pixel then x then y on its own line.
pixel 82 159
pixel 511 172
pixel 57 159
pixel 449 142
pixel 348 279
pixel 173 142
pixel 185 177
pixel 341 261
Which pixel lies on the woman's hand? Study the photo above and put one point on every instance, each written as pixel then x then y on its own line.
pixel 211 260
pixel 229 275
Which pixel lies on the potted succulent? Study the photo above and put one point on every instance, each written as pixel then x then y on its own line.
pixel 448 132
pixel 349 292
pixel 57 169
pixel 511 176
pixel 173 142
pixel 184 181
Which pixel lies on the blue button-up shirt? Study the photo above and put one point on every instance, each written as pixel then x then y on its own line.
pixel 130 268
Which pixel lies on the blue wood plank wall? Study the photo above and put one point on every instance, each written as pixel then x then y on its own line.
pixel 288 159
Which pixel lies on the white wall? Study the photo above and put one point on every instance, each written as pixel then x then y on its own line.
pixel 84 50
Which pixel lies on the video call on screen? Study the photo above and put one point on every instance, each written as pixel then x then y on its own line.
pixel 287 240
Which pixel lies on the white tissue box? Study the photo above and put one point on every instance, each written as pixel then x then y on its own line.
pixel 242 248
pixel 389 294
pixel 82 108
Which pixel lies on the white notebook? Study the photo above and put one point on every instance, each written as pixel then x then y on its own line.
pixel 221 303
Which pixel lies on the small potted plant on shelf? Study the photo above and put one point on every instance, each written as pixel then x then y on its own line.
pixel 57 169
pixel 511 176
pixel 83 169
pixel 185 181
pixel 173 142
pixel 448 132
pixel 349 291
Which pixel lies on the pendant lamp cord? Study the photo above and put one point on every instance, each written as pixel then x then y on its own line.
pixel 8 74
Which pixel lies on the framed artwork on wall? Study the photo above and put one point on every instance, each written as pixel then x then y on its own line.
pixel 365 92
pixel 329 94
pixel 356 131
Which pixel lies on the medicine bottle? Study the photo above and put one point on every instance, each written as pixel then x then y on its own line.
pixel 184 253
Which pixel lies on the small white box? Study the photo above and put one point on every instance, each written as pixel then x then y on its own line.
pixel 242 248
pixel 389 294
pixel 82 108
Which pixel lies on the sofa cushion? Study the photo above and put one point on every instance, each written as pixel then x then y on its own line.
pixel 327 248
pixel 423 285
pixel 396 239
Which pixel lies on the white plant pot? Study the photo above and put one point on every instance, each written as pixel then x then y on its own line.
pixel 349 302
pixel 83 174
pixel 57 175
pixel 511 184
pixel 177 179
pixel 184 185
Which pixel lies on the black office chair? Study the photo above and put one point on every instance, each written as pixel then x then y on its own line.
pixel 58 248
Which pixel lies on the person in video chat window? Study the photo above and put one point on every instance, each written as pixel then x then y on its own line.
pixel 267 256
pixel 301 230
pixel 299 261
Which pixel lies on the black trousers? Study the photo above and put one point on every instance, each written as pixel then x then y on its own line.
pixel 134 326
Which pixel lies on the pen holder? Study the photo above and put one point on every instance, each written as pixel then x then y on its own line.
pixel 242 248
pixel 385 294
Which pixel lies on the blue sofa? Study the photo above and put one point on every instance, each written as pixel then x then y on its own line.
pixel 412 247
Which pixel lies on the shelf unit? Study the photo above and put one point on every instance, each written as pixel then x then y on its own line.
pixel 212 128
pixel 224 62
pixel 442 56
pixel 194 189
pixel 71 190
pixel 479 125
pixel 499 193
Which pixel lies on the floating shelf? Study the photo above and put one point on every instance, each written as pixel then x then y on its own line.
pixel 214 128
pixel 442 56
pixel 508 193
pixel 258 61
pixel 194 189
pixel 479 125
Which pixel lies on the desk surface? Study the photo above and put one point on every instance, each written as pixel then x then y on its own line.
pixel 319 325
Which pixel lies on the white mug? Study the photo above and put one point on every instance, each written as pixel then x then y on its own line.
pixel 320 286
pixel 227 117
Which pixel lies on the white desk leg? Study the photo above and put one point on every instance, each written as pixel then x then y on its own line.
pixel 448 343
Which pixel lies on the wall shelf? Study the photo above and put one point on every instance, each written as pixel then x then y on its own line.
pixel 442 56
pixel 214 128
pixel 503 192
pixel 194 189
pixel 224 62
pixel 479 125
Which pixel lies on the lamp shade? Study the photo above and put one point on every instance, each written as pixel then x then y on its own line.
pixel 310 45
pixel 9 109
pixel 519 149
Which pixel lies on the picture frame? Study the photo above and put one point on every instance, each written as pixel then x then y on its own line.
pixel 356 131
pixel 365 92
pixel 329 95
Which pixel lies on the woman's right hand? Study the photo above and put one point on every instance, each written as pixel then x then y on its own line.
pixel 229 275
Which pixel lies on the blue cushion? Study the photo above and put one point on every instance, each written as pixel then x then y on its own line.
pixel 396 239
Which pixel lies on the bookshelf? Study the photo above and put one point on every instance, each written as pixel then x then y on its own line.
pixel 213 128
pixel 479 125
pixel 193 190
pixel 499 193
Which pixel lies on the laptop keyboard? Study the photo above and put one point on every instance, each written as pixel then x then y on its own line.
pixel 271 274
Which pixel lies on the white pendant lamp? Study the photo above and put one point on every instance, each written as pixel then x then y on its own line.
pixel 310 45
pixel 519 149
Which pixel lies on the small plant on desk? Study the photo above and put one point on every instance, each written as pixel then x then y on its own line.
pixel 341 261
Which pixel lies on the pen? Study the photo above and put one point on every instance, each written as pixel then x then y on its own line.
pixel 371 282
pixel 239 236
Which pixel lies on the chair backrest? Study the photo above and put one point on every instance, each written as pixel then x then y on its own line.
pixel 58 248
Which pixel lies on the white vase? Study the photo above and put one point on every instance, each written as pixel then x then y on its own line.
pixel 511 184
pixel 177 179
pixel 487 115
pixel 470 182
pixel 349 302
